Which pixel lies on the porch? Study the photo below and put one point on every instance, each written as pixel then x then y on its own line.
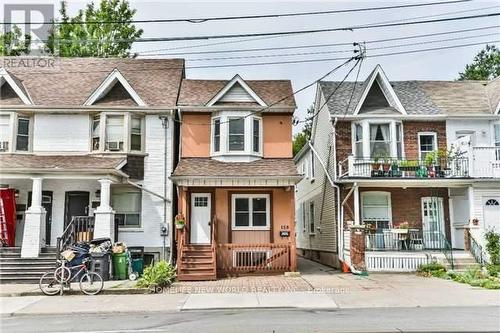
pixel 234 231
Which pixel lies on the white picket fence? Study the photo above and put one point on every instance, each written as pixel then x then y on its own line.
pixel 395 261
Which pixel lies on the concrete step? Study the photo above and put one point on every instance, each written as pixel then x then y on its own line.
pixel 19 280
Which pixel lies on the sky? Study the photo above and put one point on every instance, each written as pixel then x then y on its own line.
pixel 435 65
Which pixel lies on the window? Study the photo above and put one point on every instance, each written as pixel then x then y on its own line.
pixel 399 139
pixel 96 132
pixel 376 209
pixel 114 133
pixel 237 134
pixel 23 131
pixel 135 134
pixel 256 135
pixel 311 217
pixel 4 132
pixel 201 201
pixel 497 141
pixel 426 144
pixel 250 211
pixel 304 216
pixel 217 135
pixel 127 205
pixel 380 140
pixel 492 202
pixel 358 130
pixel 311 169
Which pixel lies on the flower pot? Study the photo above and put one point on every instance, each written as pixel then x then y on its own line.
pixel 179 224
pixel 375 166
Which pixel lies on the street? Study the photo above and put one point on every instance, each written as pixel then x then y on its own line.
pixel 438 319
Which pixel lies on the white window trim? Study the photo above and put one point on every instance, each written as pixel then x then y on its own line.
pixel 311 221
pixel 493 138
pixel 384 193
pixel 11 137
pixel 129 132
pixel 261 131
pixel 250 209
pixel 419 134
pixel 246 129
pixel 365 125
pixel 109 82
pixel 312 168
pixel 212 136
pixel 136 228
pixel 127 129
pixel 15 125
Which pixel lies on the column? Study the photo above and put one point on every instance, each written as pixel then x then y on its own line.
pixel 34 222
pixel 356 205
pixel 104 223
pixel 358 248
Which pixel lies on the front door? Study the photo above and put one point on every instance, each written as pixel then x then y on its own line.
pixel 200 218
pixel 77 204
pixel 492 214
pixel 47 204
pixel 433 222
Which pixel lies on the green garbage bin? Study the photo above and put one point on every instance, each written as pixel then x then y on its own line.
pixel 138 265
pixel 120 266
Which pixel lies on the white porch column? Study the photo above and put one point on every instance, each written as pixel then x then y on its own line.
pixel 34 222
pixel 356 205
pixel 104 215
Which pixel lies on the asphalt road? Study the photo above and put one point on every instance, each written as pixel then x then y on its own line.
pixel 438 319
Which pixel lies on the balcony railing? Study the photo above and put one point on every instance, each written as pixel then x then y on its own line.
pixel 402 168
pixel 486 162
pixel 405 240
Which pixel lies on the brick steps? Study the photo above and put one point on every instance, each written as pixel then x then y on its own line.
pixel 197 263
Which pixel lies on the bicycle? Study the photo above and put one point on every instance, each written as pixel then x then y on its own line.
pixel 53 283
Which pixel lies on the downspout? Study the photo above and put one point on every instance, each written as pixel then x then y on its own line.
pixel 340 209
pixel 165 125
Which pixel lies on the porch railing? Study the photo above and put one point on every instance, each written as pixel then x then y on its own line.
pixel 254 258
pixel 402 168
pixel 477 250
pixel 80 228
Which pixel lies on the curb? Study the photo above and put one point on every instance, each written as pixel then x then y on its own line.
pixel 111 291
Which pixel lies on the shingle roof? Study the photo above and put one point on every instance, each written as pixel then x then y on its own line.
pixel 420 97
pixel 199 92
pixel 207 167
pixel 71 81
pixel 54 162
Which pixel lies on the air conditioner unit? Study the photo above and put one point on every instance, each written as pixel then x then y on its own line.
pixel 4 145
pixel 113 145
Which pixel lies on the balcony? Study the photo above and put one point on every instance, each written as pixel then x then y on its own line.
pixel 442 168
pixel 485 162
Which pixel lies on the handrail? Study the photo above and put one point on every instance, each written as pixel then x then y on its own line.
pixel 75 231
pixel 447 250
pixel 213 232
pixel 477 250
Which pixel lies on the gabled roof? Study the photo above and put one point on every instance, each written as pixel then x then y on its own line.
pixel 421 97
pixel 114 78
pixel 70 81
pixel 236 82
pixel 378 80
pixel 200 92
pixel 9 81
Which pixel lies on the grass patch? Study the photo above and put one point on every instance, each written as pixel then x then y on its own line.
pixel 473 277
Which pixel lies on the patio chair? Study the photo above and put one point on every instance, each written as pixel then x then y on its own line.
pixel 416 240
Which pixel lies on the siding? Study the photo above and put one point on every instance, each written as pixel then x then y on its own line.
pixel 480 196
pixel 61 133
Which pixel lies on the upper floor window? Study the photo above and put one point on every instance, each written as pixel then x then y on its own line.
pixel 497 134
pixel 114 133
pixel 4 132
pixel 136 133
pixel 377 139
pixel 96 132
pixel 117 132
pixel 23 134
pixel 426 144
pixel 236 135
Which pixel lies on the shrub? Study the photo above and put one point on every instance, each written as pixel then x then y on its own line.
pixel 493 246
pixel 161 274
pixel 493 270
pixel 432 269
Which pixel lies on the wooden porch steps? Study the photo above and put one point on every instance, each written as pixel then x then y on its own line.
pixel 197 263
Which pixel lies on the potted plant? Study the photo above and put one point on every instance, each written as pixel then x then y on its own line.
pixel 386 164
pixel 430 162
pixel 376 163
pixel 180 221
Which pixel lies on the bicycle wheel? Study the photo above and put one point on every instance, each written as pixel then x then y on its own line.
pixel 62 274
pixel 49 285
pixel 91 283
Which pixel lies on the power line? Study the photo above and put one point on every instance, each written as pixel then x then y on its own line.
pixel 243 17
pixel 311 45
pixel 280 33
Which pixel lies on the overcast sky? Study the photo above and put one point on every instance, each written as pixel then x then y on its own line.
pixel 436 65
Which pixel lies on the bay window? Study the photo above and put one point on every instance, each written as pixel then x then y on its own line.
pixel 236 134
pixel 136 133
pixel 216 134
pixel 114 133
pixel 117 132
pixel 496 128
pixel 126 202
pixel 23 134
pixel 96 132
pixel 4 132
pixel 256 135
pixel 250 211
pixel 377 139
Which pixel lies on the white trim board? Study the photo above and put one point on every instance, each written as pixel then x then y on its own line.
pixel 108 83
pixel 382 80
pixel 229 85
pixel 5 76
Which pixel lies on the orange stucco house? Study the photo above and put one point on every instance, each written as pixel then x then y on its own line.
pixel 235 178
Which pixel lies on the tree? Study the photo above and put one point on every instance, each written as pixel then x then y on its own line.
pixel 300 139
pixel 485 66
pixel 76 38
pixel 11 43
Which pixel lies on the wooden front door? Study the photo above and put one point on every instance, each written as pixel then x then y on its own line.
pixel 200 218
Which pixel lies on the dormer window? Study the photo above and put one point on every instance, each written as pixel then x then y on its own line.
pixel 96 132
pixel 4 133
pixel 236 135
pixel 117 132
pixel 136 133
pixel 377 139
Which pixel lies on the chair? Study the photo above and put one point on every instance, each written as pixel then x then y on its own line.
pixel 416 240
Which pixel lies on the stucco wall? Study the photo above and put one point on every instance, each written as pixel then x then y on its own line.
pixel 195 135
pixel 277 135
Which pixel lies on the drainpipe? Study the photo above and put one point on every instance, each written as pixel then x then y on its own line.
pixel 165 125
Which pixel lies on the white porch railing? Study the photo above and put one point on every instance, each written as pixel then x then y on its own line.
pixel 486 161
pixel 395 261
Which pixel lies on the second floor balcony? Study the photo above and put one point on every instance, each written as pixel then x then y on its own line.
pixel 354 167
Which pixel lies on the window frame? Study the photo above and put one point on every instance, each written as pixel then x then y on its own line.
pixel 29 135
pixel 141 132
pixel 9 132
pixel 311 213
pixel 250 198
pixel 123 190
pixel 229 119
pixel 213 136
pixel 435 143
pixel 94 119
pixel 366 140
pixel 389 206
pixel 259 135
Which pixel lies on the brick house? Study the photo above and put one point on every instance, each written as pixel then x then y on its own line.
pixel 235 178
pixel 400 162
pixel 89 143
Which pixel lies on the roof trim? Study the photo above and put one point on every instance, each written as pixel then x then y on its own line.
pixel 229 85
pixel 8 78
pixel 108 83
pixel 379 76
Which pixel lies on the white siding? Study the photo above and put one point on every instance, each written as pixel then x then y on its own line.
pixel 237 94
pixel 480 196
pixel 482 129
pixel 61 133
